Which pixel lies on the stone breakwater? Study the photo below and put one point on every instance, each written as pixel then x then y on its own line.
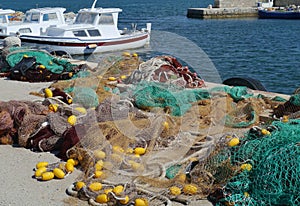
pixel 215 13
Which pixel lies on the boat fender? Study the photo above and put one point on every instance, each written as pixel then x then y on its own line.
pixel 245 81
pixel 92 46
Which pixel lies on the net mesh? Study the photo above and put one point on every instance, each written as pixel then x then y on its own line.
pixel 274 177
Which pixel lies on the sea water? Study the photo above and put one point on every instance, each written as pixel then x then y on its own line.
pixel 266 50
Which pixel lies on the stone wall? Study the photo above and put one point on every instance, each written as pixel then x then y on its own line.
pixel 235 3
pixel 286 2
pixel 251 3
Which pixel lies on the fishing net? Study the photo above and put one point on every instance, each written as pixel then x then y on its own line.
pixel 19 63
pixel 53 64
pixel 177 100
pixel 84 96
pixel 156 134
pixel 290 108
pixel 295 99
pixel 168 70
pixel 273 177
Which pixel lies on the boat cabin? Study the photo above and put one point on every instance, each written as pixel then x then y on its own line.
pixel 92 22
pixel 265 4
pixel 35 22
pixel 4 15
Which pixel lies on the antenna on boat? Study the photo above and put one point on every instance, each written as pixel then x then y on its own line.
pixel 94 4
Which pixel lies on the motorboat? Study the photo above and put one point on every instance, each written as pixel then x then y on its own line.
pixel 94 30
pixel 286 13
pixel 35 21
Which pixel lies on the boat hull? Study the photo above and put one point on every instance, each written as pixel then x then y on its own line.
pixel 264 14
pixel 79 46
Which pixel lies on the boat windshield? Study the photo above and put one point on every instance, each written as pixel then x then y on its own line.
pixel 3 19
pixel 85 18
pixel 34 17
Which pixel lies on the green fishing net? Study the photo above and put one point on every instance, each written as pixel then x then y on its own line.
pixel 85 96
pixel 237 93
pixel 295 99
pixel 275 175
pixel 53 64
pixel 149 95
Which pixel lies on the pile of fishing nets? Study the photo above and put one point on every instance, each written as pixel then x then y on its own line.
pixel 151 133
pixel 40 126
pixel 166 69
pixel 18 63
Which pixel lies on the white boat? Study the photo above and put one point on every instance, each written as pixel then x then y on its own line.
pixel 4 15
pixel 36 21
pixel 94 30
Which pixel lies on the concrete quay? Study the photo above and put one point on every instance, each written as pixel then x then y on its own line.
pixel 216 13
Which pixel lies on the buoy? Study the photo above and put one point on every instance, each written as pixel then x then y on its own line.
pixel 81 110
pixel 129 150
pixel 40 171
pixel 47 176
pixel 190 189
pixel 41 164
pixel 140 202
pixel 112 78
pixel 175 191
pixel 233 142
pixel 285 118
pixel 53 107
pixel 48 93
pixel 72 120
pixel 125 200
pixel 99 165
pixel 95 186
pixel 58 173
pixel 118 189
pixel 166 125
pixel 108 190
pixel 246 194
pixel 70 101
pixel 79 185
pixel 102 198
pixel 139 150
pixel 118 149
pixel 99 154
pixel 265 132
pixel 246 166
pixel 69 167
pixel 98 174
pixel 72 161
pixel 126 54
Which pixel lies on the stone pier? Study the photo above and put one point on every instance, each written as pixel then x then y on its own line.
pixel 215 13
pixel 226 9
pixel 234 8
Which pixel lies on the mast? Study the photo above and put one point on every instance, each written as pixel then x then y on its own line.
pixel 94 4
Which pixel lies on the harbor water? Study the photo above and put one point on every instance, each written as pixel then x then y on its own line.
pixel 267 50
